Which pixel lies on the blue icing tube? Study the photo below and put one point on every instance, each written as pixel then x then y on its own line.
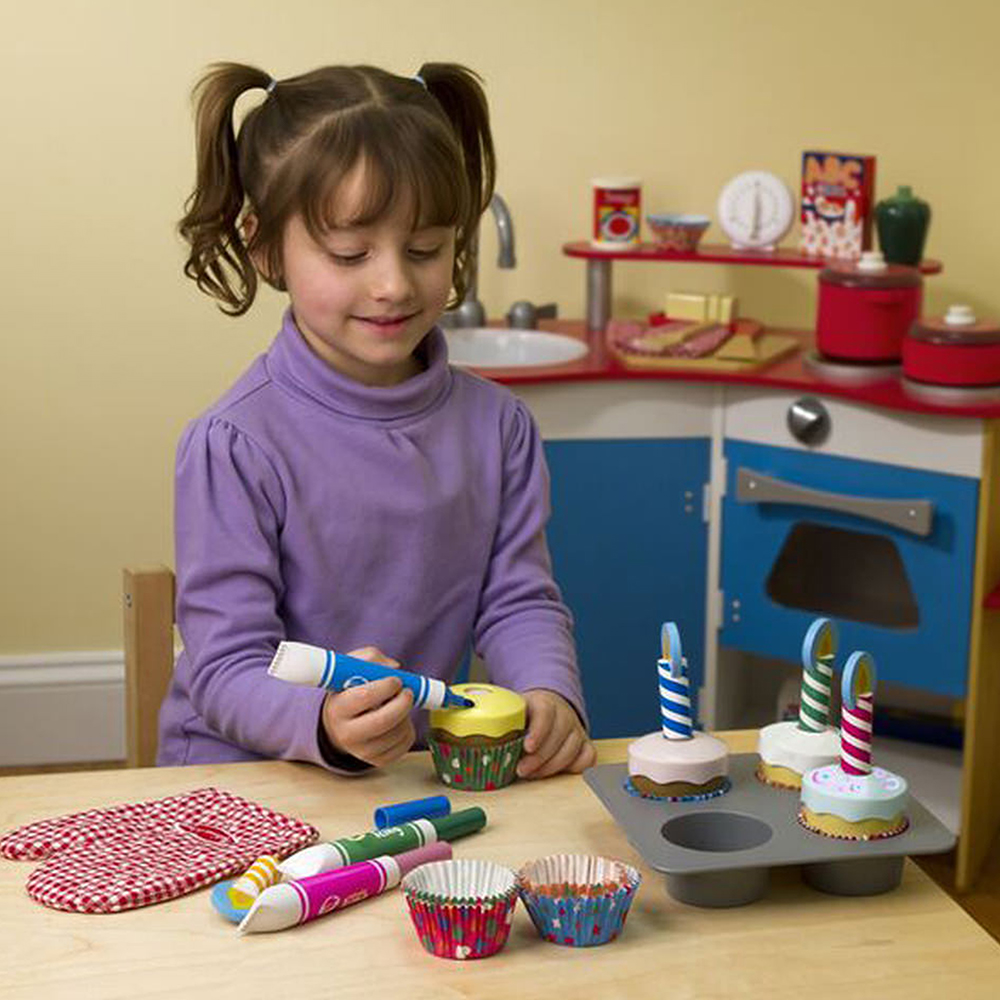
pixel 313 666
pixel 403 812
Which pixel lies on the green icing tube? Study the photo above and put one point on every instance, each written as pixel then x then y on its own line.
pixel 374 843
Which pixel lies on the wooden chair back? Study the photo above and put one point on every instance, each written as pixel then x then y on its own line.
pixel 148 605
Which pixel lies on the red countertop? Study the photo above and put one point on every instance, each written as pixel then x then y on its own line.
pixel 789 372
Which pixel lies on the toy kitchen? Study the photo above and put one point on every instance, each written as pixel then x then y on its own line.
pixel 741 480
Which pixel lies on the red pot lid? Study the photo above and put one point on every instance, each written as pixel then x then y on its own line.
pixel 870 272
pixel 959 327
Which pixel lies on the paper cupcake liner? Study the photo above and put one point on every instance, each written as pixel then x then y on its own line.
pixel 700 797
pixel 894 831
pixel 461 908
pixel 578 900
pixel 476 768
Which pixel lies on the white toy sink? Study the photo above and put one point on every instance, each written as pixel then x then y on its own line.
pixel 499 347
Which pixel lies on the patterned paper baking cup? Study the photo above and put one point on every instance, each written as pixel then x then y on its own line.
pixel 461 908
pixel 576 899
pixel 476 768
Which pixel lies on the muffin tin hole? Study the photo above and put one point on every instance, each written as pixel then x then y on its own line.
pixel 716 831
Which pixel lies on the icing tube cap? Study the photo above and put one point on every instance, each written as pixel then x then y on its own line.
pixel 408 860
pixel 459 824
pixel 403 812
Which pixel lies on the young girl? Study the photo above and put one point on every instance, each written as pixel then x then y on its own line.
pixel 351 490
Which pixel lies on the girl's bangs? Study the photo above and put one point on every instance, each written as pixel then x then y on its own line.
pixel 403 167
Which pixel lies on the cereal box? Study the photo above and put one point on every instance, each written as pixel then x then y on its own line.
pixel 837 201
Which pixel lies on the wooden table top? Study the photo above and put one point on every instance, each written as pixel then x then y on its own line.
pixel 911 943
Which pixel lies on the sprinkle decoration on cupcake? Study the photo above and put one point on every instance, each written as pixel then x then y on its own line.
pixel 578 900
pixel 461 908
pixel 477 749
pixel 853 800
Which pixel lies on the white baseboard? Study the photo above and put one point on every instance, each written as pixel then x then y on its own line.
pixel 58 708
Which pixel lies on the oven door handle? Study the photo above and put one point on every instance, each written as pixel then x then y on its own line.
pixel 914 516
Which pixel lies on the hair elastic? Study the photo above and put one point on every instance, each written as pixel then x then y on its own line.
pixel 420 80
pixel 271 86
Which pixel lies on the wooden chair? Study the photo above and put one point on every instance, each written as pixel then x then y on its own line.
pixel 148 602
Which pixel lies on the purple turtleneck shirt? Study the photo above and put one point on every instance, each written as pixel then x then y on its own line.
pixel 311 507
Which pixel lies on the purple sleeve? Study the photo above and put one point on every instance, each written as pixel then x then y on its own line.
pixel 524 631
pixel 229 506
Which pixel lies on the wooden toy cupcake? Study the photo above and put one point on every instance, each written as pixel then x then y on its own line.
pixel 789 749
pixel 676 763
pixel 478 748
pixel 853 800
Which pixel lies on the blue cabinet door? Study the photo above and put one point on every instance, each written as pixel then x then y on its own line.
pixel 629 550
pixel 903 597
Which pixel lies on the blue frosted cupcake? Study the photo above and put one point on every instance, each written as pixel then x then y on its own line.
pixel 576 899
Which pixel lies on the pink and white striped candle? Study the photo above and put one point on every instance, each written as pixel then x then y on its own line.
pixel 857 705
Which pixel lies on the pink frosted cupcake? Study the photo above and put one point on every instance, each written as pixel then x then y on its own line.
pixel 461 908
pixel 577 899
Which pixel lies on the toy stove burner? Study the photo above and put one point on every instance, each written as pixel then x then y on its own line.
pixel 853 373
pixel 951 395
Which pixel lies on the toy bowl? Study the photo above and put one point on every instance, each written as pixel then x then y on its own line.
pixel 677 232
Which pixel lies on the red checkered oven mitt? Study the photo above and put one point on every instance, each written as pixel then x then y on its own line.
pixel 121 857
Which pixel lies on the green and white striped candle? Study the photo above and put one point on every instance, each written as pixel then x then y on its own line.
pixel 818 651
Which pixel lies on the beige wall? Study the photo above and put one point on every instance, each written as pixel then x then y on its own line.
pixel 107 351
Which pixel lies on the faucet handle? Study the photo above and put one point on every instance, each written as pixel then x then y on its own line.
pixel 524 316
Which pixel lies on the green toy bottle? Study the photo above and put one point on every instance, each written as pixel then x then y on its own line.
pixel 902 222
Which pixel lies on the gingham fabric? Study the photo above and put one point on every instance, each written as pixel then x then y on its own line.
pixel 125 856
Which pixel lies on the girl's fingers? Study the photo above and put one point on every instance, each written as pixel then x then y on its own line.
pixel 563 756
pixel 364 698
pixel 374 655
pixel 539 723
pixel 394 746
pixel 587 757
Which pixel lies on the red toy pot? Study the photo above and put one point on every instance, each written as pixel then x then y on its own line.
pixel 866 309
pixel 953 350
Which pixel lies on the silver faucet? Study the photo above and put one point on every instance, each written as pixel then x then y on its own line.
pixel 470 311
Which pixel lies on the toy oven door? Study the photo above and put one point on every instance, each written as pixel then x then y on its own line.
pixel 887 551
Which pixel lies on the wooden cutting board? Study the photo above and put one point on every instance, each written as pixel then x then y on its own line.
pixel 749 349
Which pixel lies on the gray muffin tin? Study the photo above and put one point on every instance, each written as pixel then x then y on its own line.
pixel 719 852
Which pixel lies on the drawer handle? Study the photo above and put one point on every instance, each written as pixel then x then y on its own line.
pixel 914 516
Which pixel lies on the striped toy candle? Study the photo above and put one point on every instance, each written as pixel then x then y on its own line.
pixel 675 698
pixel 818 651
pixel 259 876
pixel 858 693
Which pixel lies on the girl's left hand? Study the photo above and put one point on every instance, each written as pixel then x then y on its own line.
pixel 555 740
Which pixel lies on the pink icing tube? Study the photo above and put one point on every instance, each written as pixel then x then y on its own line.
pixel 300 900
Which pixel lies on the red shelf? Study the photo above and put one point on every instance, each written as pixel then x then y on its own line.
pixel 993 598
pixel 716 253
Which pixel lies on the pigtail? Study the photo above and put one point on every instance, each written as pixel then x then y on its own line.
pixel 458 91
pixel 219 261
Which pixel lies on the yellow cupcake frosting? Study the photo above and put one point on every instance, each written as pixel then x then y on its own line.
pixel 497 712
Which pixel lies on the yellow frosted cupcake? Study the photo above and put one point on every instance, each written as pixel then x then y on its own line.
pixel 478 748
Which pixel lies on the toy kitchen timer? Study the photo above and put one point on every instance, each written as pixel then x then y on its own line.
pixel 755 210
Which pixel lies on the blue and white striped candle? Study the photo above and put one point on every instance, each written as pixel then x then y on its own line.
pixel 675 698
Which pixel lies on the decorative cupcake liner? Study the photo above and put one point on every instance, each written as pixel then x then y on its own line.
pixel 578 900
pixel 461 908
pixel 701 797
pixel 476 768
pixel 764 780
pixel 892 832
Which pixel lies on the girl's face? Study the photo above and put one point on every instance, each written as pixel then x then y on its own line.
pixel 364 297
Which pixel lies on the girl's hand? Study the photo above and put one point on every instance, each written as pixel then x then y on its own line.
pixel 555 740
pixel 371 721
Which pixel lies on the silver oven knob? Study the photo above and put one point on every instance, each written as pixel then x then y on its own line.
pixel 808 420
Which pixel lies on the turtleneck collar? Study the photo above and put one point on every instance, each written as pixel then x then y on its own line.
pixel 293 365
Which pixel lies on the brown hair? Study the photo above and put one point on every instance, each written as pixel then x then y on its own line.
pixel 427 141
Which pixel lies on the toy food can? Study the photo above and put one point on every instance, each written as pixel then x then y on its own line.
pixel 617 212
